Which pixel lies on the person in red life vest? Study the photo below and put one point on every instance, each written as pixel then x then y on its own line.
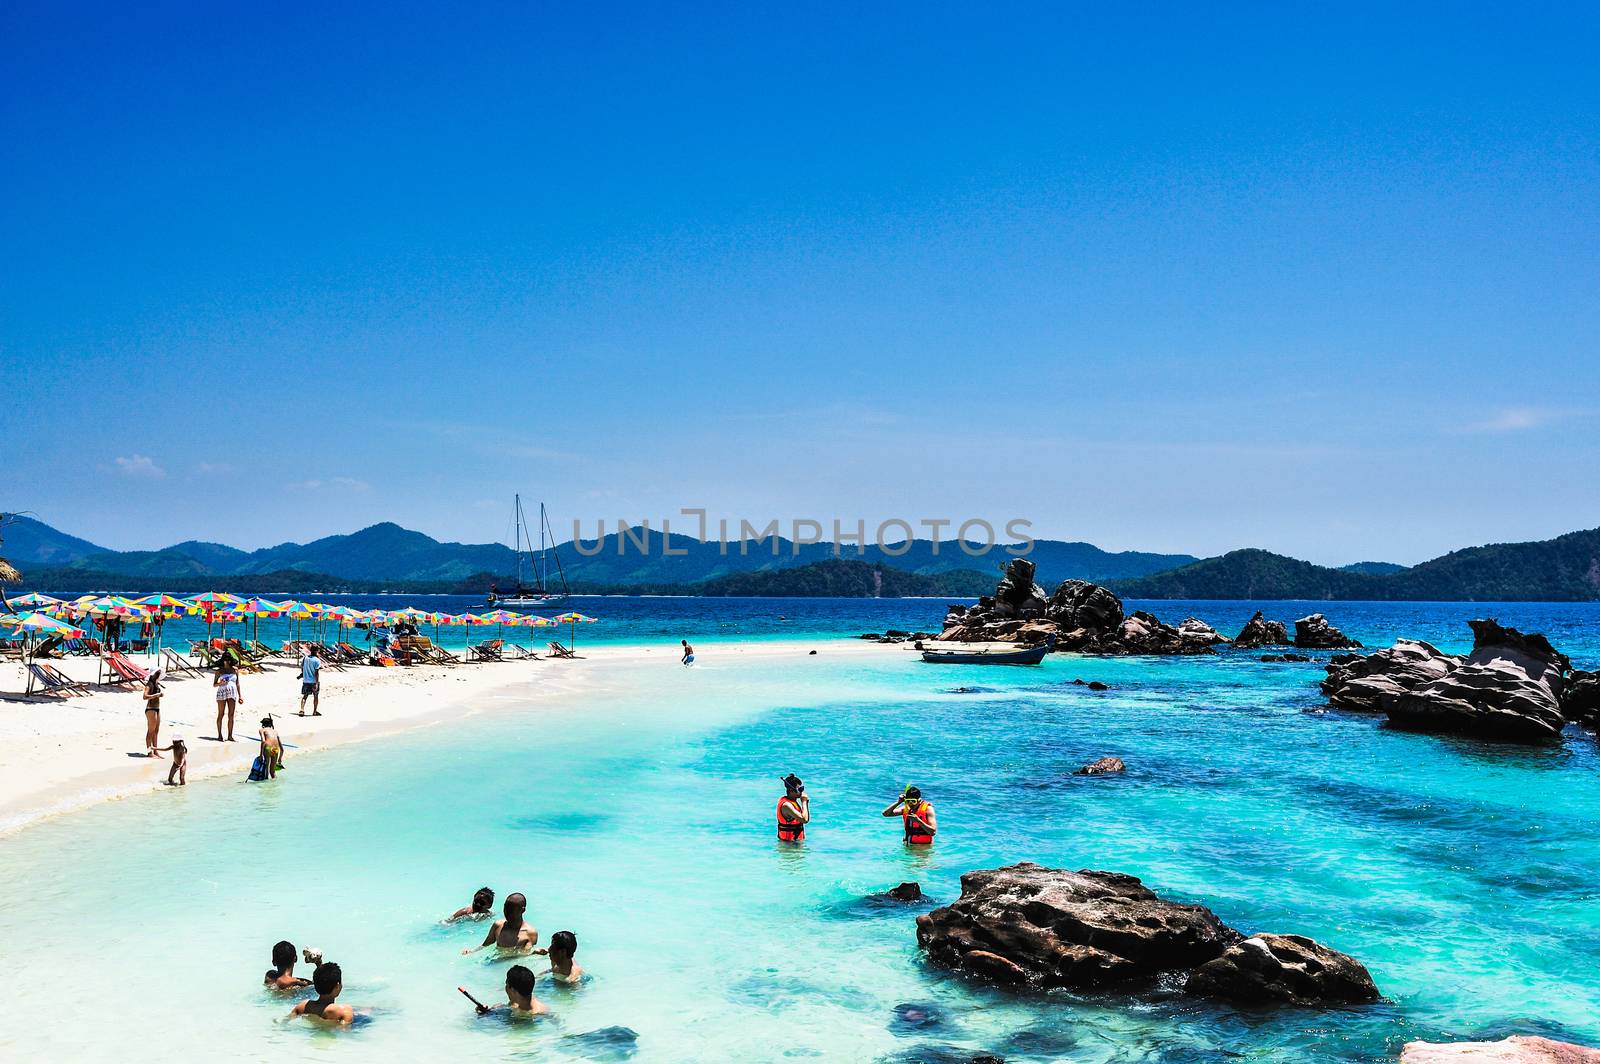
pixel 916 816
pixel 794 810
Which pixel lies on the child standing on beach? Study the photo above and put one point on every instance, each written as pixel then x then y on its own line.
pixel 180 762
pixel 152 713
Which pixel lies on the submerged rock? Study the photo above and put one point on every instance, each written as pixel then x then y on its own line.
pixel 1106 766
pixel 1518 1049
pixel 1289 968
pixel 906 892
pixel 1285 657
pixel 1370 682
pixel 1260 632
pixel 1510 688
pixel 1030 925
pixel 607 1043
pixel 1315 633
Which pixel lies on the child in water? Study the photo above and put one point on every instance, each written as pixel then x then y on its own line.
pixel 482 907
pixel 281 975
pixel 180 762
pixel 328 980
pixel 563 969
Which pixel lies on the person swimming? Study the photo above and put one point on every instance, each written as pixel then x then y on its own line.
pixel 563 968
pixel 281 975
pixel 512 934
pixel 482 906
pixel 329 981
pixel 519 995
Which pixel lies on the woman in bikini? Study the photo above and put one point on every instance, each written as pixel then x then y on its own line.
pixel 152 713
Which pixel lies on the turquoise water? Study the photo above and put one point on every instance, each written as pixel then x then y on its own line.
pixel 1464 875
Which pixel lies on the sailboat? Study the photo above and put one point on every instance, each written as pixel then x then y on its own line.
pixel 538 594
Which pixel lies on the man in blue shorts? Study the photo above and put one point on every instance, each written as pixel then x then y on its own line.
pixel 311 682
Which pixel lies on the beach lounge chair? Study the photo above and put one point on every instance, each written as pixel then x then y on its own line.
pixel 121 671
pixel 331 658
pixel 177 664
pixel 350 654
pixel 46 679
pixel 518 652
pixel 559 651
pixel 492 650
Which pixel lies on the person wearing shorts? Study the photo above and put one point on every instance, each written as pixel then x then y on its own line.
pixel 311 682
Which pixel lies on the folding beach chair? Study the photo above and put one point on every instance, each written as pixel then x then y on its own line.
pixel 49 680
pixel 559 651
pixel 177 664
pixel 122 671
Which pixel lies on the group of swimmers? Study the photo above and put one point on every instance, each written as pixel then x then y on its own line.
pixel 510 936
pixel 916 814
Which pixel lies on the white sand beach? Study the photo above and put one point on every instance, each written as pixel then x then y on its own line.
pixel 61 754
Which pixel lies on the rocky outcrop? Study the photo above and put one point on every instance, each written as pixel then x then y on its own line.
pixel 906 892
pixel 1289 968
pixel 1580 701
pixel 1518 1049
pixel 1509 688
pixel 1315 633
pixel 1080 616
pixel 1029 925
pixel 1371 682
pixel 1026 925
pixel 1105 766
pixel 1260 632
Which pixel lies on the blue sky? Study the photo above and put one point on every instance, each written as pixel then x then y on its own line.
pixel 1323 282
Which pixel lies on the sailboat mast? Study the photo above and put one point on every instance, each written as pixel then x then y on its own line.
pixel 518 514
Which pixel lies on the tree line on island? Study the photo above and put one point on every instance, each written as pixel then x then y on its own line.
pixel 386 557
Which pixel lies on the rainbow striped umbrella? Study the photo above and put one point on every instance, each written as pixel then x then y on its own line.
pixel 35 600
pixel 573 619
pixel 34 623
pixel 167 605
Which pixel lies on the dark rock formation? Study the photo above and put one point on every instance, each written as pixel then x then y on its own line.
pixel 1315 633
pixel 1284 657
pixel 1271 968
pixel 1371 682
pixel 907 892
pixel 1580 702
pixel 1518 1049
pixel 1078 604
pixel 1080 616
pixel 1106 766
pixel 1026 924
pixel 1260 632
pixel 1510 687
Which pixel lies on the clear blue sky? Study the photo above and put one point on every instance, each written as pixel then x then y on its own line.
pixel 1324 282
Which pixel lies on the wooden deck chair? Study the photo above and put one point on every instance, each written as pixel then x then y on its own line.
pixel 122 671
pixel 177 664
pixel 48 680
pixel 559 651
pixel 518 652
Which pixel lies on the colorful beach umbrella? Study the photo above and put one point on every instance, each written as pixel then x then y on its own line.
pixel 35 600
pixel 573 619
pixel 38 623
pixel 167 605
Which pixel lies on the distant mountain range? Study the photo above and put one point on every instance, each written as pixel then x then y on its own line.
pixel 1564 569
pixel 386 556
pixel 638 558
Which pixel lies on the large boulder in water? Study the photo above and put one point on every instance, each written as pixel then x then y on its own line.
pixel 1195 632
pixel 1315 633
pixel 1518 1049
pixel 1047 927
pixel 1508 688
pixel 1580 701
pixel 1260 632
pixel 1078 604
pixel 1371 682
pixel 1289 968
pixel 1018 595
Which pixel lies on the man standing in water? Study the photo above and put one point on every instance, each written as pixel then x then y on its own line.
pixel 916 816
pixel 328 980
pixel 311 681
pixel 513 934
pixel 688 652
pixel 794 810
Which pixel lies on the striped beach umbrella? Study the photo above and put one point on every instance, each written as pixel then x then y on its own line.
pixel 35 600
pixel 573 619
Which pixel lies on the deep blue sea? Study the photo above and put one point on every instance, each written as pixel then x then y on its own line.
pixel 1465 875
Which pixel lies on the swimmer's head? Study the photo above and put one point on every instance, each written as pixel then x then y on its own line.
pixel 283 955
pixel 483 900
pixel 327 978
pixel 515 905
pixel 563 943
pixel 519 980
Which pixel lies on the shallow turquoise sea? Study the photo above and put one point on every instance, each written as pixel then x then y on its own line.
pixel 1466 876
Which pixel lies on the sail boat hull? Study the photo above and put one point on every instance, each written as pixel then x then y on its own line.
pixel 528 602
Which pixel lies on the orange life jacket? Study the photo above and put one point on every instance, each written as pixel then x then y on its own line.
pixel 917 834
pixel 789 830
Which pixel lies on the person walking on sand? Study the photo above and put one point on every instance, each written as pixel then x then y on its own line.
pixel 229 696
pixel 152 713
pixel 311 681
pixel 916 817
pixel 794 810
pixel 688 652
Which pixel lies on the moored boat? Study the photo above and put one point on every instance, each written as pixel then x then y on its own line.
pixel 1020 656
